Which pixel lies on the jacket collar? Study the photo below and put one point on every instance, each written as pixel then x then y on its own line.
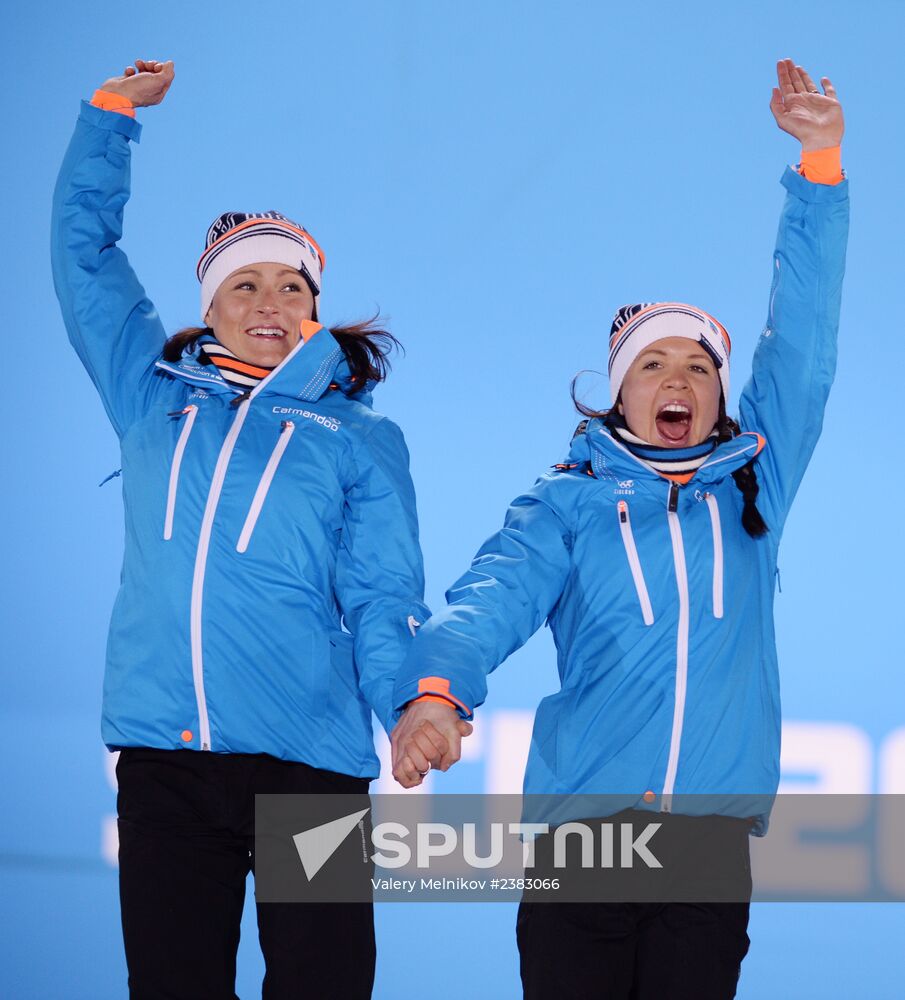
pixel 610 458
pixel 305 373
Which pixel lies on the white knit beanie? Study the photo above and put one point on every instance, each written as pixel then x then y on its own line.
pixel 636 327
pixel 240 239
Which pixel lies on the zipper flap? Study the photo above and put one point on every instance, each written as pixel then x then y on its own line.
pixel 190 413
pixel 287 427
pixel 714 509
pixel 204 539
pixel 628 540
pixel 678 721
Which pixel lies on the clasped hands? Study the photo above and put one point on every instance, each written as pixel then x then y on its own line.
pixel 428 735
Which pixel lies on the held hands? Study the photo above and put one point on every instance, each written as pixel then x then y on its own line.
pixel 145 83
pixel 429 735
pixel 800 109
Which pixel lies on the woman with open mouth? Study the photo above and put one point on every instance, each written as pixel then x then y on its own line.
pixel 651 552
pixel 272 578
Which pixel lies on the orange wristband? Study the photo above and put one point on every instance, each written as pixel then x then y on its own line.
pixel 107 101
pixel 822 166
pixel 432 697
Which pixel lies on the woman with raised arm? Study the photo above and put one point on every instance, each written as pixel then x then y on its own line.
pixel 267 506
pixel 652 551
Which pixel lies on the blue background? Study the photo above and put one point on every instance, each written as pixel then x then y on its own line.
pixel 497 178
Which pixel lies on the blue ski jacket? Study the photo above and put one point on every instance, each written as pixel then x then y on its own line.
pixel 256 527
pixel 659 602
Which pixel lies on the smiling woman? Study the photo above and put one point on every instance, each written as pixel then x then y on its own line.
pixel 272 578
pixel 258 312
pixel 260 280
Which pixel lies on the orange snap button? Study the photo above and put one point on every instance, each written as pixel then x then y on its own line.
pixel 649 796
pixel 186 736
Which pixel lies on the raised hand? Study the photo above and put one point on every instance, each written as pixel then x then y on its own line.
pixel 800 109
pixel 145 83
pixel 429 735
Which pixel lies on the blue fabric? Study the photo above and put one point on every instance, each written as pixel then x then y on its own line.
pixel 335 544
pixel 561 557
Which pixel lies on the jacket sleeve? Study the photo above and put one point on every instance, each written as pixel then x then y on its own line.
pixel 379 573
pixel 513 584
pixel 795 359
pixel 112 325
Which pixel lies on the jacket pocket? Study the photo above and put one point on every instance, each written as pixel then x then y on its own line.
pixel 628 540
pixel 190 413
pixel 286 429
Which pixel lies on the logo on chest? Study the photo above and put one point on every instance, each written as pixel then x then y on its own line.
pixel 331 423
pixel 623 488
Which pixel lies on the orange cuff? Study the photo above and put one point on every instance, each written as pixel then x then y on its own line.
pixel 438 687
pixel 822 166
pixel 433 697
pixel 107 101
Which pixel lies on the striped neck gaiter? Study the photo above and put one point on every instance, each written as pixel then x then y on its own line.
pixel 239 375
pixel 677 464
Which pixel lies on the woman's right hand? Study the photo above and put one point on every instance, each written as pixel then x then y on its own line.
pixel 428 735
pixel 144 84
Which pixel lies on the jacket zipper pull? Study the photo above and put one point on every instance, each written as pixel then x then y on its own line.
pixel 113 475
pixel 240 399
pixel 673 504
pixel 179 413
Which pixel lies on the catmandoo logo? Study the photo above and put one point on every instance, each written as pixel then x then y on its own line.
pixel 331 423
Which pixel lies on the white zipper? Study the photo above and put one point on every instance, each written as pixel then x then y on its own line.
pixel 190 412
pixel 678 555
pixel 628 540
pixel 204 538
pixel 286 429
pixel 714 508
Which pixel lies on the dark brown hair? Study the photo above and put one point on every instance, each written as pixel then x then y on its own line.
pixel 366 345
pixel 726 428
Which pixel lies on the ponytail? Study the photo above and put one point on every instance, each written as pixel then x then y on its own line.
pixel 367 348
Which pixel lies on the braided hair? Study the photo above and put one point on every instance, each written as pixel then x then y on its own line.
pixel 745 477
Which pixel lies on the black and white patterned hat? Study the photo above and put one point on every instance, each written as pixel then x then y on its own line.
pixel 239 239
pixel 637 326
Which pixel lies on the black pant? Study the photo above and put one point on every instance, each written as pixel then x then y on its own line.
pixel 631 951
pixel 668 947
pixel 186 845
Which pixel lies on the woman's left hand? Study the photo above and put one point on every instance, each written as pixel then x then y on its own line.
pixel 800 109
